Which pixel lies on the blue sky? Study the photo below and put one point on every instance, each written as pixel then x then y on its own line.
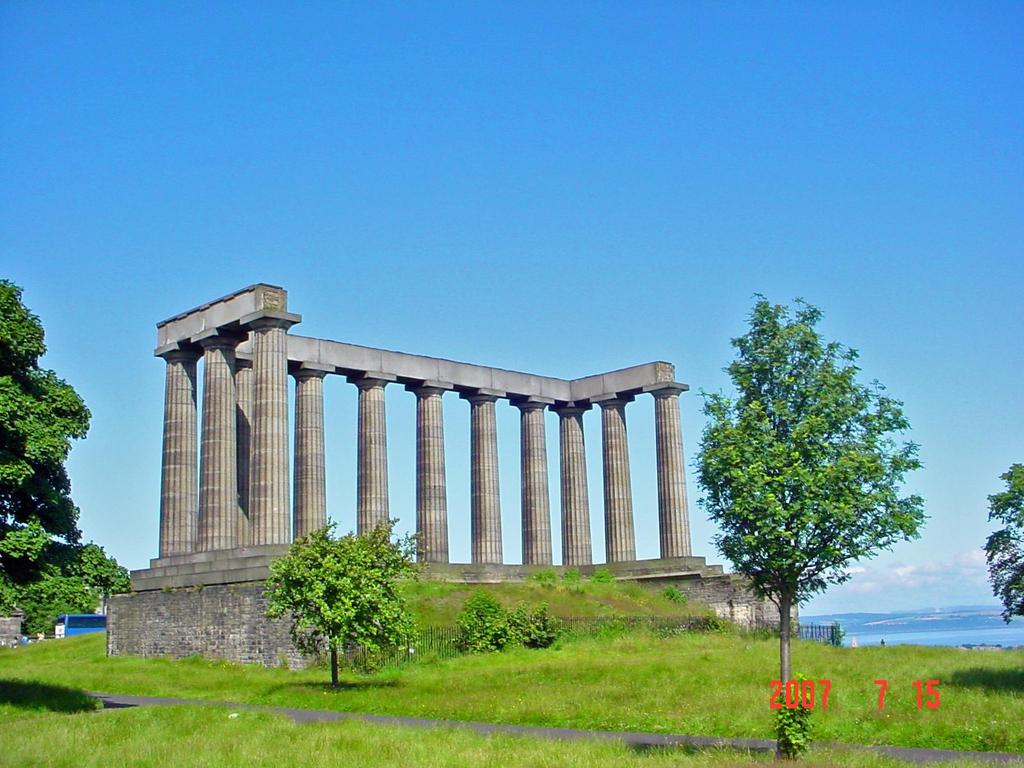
pixel 560 189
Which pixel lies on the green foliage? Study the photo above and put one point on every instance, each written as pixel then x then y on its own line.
pixel 581 685
pixel 673 593
pixel 545 576
pixel 343 592
pixel 73 579
pixel 793 729
pixel 485 625
pixel 602 576
pixel 572 576
pixel 44 599
pixel 801 470
pixel 836 636
pixel 39 416
pixel 1004 549
pixel 532 629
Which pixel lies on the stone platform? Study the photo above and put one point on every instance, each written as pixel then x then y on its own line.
pixel 253 564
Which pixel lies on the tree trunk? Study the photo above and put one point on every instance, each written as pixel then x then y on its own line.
pixel 334 665
pixel 785 671
pixel 785 622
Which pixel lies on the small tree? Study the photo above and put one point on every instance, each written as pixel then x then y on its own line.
pixel 1004 549
pixel 343 591
pixel 801 471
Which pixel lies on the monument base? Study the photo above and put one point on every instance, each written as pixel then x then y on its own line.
pixel 212 604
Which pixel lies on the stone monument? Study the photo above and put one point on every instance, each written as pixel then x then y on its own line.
pixel 232 497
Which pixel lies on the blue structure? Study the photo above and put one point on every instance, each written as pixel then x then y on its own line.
pixel 82 623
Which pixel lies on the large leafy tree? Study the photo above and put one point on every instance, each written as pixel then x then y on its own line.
pixel 44 569
pixel 40 414
pixel 1004 549
pixel 801 470
pixel 343 591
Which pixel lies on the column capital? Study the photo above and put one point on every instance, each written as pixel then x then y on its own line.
pixel 311 371
pixel 371 380
pixel 178 352
pixel 482 395
pixel 533 404
pixel 269 318
pixel 667 389
pixel 429 388
pixel 613 401
pixel 215 338
pixel 572 409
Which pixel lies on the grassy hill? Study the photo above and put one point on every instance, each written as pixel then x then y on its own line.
pixel 438 603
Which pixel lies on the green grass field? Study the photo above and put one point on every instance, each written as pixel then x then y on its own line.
pixel 702 684
pixel 174 737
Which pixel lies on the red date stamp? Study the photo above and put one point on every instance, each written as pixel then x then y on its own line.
pixel 811 693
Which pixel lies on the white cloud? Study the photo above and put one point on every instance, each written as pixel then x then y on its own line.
pixel 967 569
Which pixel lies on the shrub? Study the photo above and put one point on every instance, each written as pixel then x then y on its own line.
pixel 793 730
pixel 533 629
pixel 673 593
pixel 487 626
pixel 483 623
pixel 602 576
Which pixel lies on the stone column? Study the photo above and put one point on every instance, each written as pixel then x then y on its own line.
pixel 673 517
pixel 269 496
pixel 534 485
pixel 372 455
pixel 485 505
pixel 243 412
pixel 218 465
pixel 620 541
pixel 431 485
pixel 310 485
pixel 576 546
pixel 179 501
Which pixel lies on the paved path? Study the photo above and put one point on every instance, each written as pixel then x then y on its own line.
pixel 633 739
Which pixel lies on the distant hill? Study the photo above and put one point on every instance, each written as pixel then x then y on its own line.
pixel 963 617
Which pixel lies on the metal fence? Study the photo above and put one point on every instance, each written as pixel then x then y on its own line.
pixel 448 642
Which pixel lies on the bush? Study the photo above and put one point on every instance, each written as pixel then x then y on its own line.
pixel 793 730
pixel 602 576
pixel 673 593
pixel 483 624
pixel 533 629
pixel 486 626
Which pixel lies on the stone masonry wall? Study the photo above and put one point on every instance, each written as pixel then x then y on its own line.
pixel 218 622
pixel 730 597
pixel 10 630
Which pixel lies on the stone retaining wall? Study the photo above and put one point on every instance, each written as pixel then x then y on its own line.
pixel 225 621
